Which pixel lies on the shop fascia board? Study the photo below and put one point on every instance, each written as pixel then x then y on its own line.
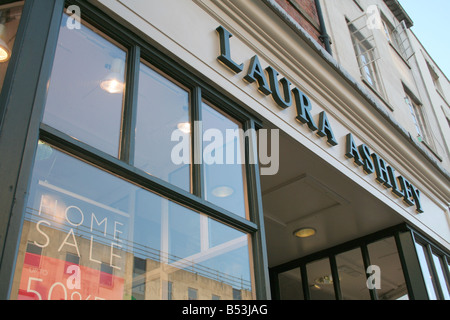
pixel 349 100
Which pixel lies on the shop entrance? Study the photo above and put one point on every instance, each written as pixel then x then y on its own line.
pixel 349 226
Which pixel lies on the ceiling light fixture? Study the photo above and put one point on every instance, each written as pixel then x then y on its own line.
pixel 304 232
pixel 113 82
pixel 184 127
pixel 5 52
pixel 222 192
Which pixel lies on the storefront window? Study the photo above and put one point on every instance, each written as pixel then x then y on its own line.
pixel 426 271
pixel 86 90
pixel 223 158
pixel 10 15
pixel 384 256
pixel 320 280
pixel 88 234
pixel 163 129
pixel 352 278
pixel 290 285
pixel 441 276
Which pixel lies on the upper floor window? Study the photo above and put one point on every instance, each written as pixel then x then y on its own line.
pixel 417 117
pixel 398 37
pixel 366 53
pixel 435 78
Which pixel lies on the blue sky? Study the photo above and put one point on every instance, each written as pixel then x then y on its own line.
pixel 431 26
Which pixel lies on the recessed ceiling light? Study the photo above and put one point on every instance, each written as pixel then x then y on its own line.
pixel 304 232
pixel 222 191
pixel 5 53
pixel 184 127
pixel 113 83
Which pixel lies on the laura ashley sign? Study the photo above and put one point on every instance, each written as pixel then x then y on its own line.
pixel 285 96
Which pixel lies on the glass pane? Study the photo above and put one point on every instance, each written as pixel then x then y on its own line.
pixel 352 278
pixel 426 271
pixel 290 284
pixel 86 90
pixel 10 15
pixel 130 243
pixel 320 280
pixel 163 127
pixel 223 158
pixel 442 278
pixel 384 257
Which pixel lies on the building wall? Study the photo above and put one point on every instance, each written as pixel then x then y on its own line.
pixel 305 13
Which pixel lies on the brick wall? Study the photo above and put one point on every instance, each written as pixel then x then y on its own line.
pixel 305 13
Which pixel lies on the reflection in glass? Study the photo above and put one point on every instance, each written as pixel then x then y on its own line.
pixel 162 126
pixel 426 271
pixel 290 284
pixel 352 278
pixel 320 280
pixel 384 254
pixel 442 278
pixel 130 243
pixel 223 158
pixel 86 90
pixel 10 15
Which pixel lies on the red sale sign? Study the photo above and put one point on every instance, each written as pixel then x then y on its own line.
pixel 45 278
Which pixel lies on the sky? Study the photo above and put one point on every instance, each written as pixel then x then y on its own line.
pixel 431 26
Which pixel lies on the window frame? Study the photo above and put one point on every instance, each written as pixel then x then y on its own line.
pixel 405 237
pixel 431 249
pixel 366 55
pixel 417 116
pixel 200 89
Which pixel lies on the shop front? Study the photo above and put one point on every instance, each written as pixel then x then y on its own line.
pixel 148 159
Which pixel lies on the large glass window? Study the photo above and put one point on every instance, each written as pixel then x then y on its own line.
pixel 130 243
pixel 290 285
pixel 352 278
pixel 368 270
pixel 443 280
pixel 435 270
pixel 115 208
pixel 320 280
pixel 426 271
pixel 223 157
pixel 384 254
pixel 10 15
pixel 162 124
pixel 86 90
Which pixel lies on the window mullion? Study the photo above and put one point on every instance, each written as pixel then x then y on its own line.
pixel 434 273
pixel 197 143
pixel 130 106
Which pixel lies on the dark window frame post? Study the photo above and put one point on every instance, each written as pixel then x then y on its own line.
pixel 23 100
